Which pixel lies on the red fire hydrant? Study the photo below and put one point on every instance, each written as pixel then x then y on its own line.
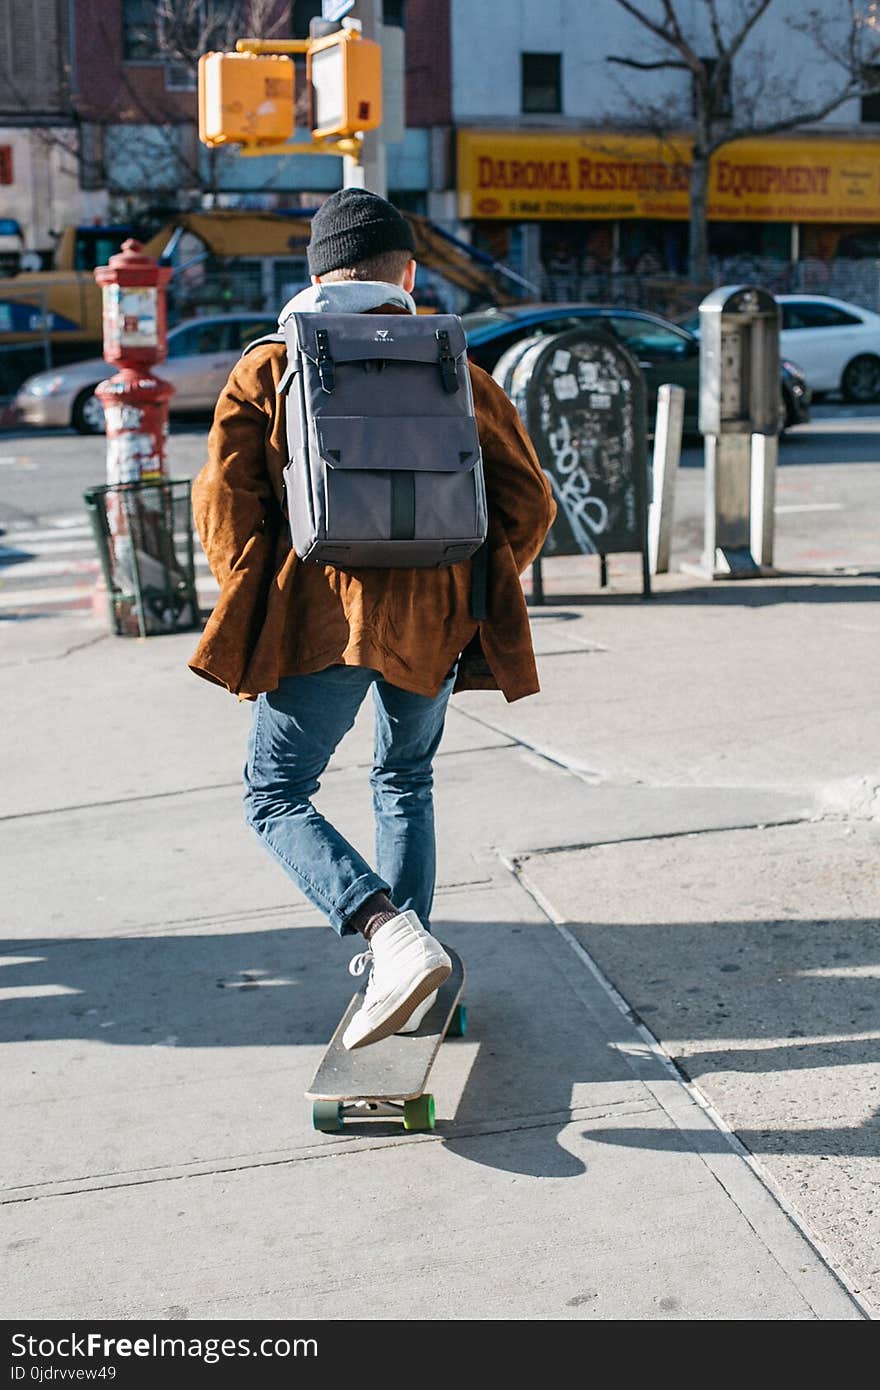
pixel 135 338
pixel 142 566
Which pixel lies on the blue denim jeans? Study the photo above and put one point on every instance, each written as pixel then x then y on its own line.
pixel 294 732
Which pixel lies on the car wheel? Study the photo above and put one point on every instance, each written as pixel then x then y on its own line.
pixel 785 413
pixel 861 380
pixel 87 415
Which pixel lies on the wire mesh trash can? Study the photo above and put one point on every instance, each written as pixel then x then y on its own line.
pixel 144 535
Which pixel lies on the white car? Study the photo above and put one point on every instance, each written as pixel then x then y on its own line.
pixel 837 344
pixel 201 354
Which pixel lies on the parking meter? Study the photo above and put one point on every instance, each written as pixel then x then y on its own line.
pixel 739 418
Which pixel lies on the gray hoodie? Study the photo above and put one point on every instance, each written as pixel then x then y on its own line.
pixel 346 297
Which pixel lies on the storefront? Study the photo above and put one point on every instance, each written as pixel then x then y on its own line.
pixel 567 210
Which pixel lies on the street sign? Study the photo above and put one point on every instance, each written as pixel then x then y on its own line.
pixel 336 9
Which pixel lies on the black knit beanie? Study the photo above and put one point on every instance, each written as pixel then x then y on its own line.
pixel 352 226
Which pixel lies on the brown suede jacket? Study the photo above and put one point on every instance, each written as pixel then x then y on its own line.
pixel 278 616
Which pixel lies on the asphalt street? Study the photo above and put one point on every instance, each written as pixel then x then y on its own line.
pixel 826 513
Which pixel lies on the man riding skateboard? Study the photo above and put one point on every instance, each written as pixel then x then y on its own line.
pixel 305 641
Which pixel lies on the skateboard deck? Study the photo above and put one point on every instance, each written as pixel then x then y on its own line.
pixel 387 1078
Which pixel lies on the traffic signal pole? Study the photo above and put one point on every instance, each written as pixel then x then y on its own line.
pixel 370 171
pixel 228 110
pixel 247 98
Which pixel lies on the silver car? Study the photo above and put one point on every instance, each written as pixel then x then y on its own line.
pixel 201 354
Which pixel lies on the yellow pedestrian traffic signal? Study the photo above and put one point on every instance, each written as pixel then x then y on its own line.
pixel 245 98
pixel 345 76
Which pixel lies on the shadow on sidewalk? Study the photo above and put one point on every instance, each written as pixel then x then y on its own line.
pixel 743 593
pixel 532 1051
pixel 809 444
pixel 253 988
pixel 525 1050
pixel 750 998
pixel 862 1141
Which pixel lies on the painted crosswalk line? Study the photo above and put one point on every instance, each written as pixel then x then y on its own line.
pixel 36 560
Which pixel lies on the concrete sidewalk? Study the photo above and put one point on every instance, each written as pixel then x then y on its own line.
pixel 165 996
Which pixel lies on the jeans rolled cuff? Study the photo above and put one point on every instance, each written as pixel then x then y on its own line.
pixel 353 898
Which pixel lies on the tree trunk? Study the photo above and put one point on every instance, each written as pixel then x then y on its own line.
pixel 699 242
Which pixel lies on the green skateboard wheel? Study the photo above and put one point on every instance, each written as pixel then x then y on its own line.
pixel 458 1022
pixel 419 1113
pixel 327 1115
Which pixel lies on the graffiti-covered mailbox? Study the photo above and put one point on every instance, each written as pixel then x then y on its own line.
pixel 581 397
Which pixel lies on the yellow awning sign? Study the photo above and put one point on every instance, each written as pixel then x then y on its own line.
pixel 603 175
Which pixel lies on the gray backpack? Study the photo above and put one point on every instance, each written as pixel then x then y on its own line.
pixel 384 468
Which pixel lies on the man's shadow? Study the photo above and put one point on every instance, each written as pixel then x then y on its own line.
pixel 503 1091
pixel 532 1062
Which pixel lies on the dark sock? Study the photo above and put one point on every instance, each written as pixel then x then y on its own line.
pixel 372 913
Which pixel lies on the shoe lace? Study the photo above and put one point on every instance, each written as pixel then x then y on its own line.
pixel 358 965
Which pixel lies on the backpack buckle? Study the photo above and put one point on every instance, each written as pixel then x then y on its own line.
pixel 326 365
pixel 447 362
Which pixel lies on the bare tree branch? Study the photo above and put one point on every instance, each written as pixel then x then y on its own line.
pixel 739 39
pixel 649 23
pixel 670 33
pixel 672 20
pixel 716 29
pixel 845 34
pixel 180 32
pixel 648 67
pixel 751 131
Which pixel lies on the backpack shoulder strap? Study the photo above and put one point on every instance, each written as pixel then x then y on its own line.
pixel 267 338
pixel 273 338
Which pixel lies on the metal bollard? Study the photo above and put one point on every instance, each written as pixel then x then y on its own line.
pixel 667 453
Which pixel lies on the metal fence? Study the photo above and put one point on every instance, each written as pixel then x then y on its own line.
pixel 263 284
pixel 677 297
pixel 242 286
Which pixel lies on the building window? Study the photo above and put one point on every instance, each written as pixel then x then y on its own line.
pixel 302 12
pixel 871 97
pixel 91 156
pixel 541 82
pixel 180 76
pixel 141 37
pixel 723 99
pixel 156 31
pixel 393 12
pixel 148 158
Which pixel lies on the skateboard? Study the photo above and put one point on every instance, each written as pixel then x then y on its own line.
pixel 387 1078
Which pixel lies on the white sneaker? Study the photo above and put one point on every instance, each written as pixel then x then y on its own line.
pixel 407 965
pixel 413 1023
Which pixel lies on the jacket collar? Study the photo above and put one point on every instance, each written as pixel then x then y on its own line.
pixel 349 297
